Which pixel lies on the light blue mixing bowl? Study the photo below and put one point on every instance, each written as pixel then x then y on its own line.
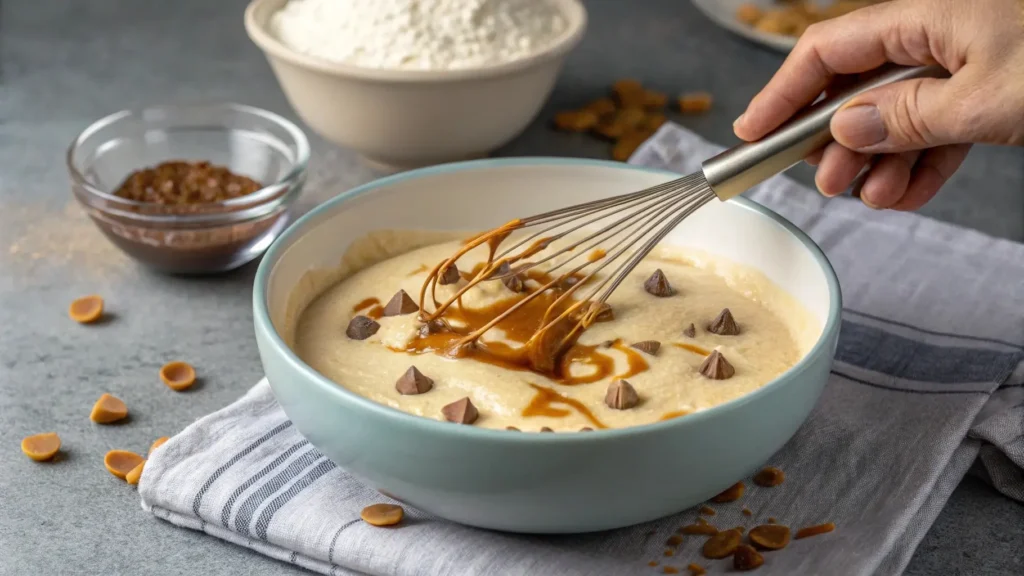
pixel 540 483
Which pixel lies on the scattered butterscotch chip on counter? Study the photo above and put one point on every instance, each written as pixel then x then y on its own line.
pixel 178 375
pixel 772 520
pixel 707 510
pixel 132 477
pixel 450 275
pixel 696 570
pixel 770 536
pixel 814 530
pixel 87 309
pixel 695 102
pixel 730 494
pixel 647 346
pixel 769 477
pixel 691 331
pixel 361 328
pixel 601 107
pixel 654 99
pixel 631 118
pixel 655 121
pixel 157 443
pixel 514 283
pixel 382 514
pixel 702 520
pixel 41 447
pixel 108 409
pixel 576 120
pixel 724 324
pixel 621 395
pixel 740 529
pixel 699 529
pixel 611 130
pixel 674 540
pixel 413 382
pixel 747 512
pixel 628 144
pixel 628 92
pixel 722 545
pixel 716 367
pixel 121 462
pixel 746 558
pixel 461 411
pixel 669 552
pixel 669 569
pixel 400 304
pixel 657 285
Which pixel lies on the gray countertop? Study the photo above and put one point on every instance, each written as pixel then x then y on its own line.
pixel 64 64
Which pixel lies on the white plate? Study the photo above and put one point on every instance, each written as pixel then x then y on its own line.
pixel 723 13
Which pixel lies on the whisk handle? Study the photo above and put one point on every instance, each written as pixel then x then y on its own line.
pixel 740 168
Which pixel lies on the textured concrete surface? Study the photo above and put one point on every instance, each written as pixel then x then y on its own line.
pixel 64 64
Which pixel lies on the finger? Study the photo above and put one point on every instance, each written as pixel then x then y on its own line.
pixel 856 42
pixel 933 169
pixel 815 158
pixel 839 166
pixel 888 180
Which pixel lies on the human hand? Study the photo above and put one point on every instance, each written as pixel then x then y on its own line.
pixel 913 134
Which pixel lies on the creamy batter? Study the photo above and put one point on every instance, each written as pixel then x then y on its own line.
pixel 775 332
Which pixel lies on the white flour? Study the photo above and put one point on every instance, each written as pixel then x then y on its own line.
pixel 418 34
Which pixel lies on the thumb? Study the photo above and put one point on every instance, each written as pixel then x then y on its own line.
pixel 907 115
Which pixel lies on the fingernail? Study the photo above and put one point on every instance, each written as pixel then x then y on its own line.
pixel 859 126
pixel 739 120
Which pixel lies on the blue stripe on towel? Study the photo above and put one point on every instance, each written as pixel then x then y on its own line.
pixel 277 503
pixel 225 514
pixel 254 500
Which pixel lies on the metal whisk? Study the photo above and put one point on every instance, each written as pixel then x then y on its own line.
pixel 630 226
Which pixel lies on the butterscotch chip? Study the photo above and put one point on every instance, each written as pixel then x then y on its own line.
pixel 121 462
pixel 699 529
pixel 178 375
pixel 669 552
pixel 691 331
pixel 772 520
pixel 108 409
pixel 657 285
pixel 514 283
pixel 413 382
pixel 722 545
pixel 814 530
pixel 601 106
pixel 461 411
pixel 86 309
pixel 707 510
pixel 696 570
pixel 654 121
pixel 576 120
pixel 746 558
pixel 628 144
pixel 132 477
pixel 621 395
pixel 450 275
pixel 382 514
pixel 647 346
pixel 361 328
pixel 747 512
pixel 546 429
pixel 748 14
pixel 400 304
pixel 716 367
pixel 633 117
pixel 770 536
pixel 724 324
pixel 740 529
pixel 611 130
pixel 157 443
pixel 41 447
pixel 730 494
pixel 628 92
pixel 769 476
pixel 674 540
pixel 695 102
pixel 655 99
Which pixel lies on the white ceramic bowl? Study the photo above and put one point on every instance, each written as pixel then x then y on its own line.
pixel 540 482
pixel 398 119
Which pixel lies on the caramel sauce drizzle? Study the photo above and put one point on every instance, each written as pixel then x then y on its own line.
pixel 674 414
pixel 541 405
pixel 422 268
pixel 376 311
pixel 595 255
pixel 692 348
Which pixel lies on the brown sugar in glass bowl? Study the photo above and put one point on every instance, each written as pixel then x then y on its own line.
pixel 214 220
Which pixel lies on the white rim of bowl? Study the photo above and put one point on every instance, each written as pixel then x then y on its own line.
pixel 256 28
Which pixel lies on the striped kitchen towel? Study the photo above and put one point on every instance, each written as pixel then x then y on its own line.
pixel 928 378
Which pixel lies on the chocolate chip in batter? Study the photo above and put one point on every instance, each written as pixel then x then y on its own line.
pixel 361 328
pixel 432 327
pixel 400 305
pixel 413 382
pixel 604 311
pixel 657 285
pixel 586 429
pixel 691 331
pixel 647 346
pixel 514 283
pixel 606 344
pixel 716 367
pixel 724 324
pixel 621 395
pixel 450 275
pixel 746 558
pixel 461 411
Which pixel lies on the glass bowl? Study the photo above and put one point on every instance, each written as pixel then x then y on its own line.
pixel 190 238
